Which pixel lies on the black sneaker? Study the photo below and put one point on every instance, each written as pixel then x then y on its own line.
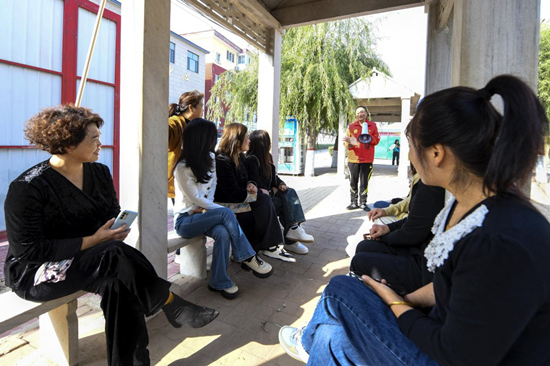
pixel 365 207
pixel 352 206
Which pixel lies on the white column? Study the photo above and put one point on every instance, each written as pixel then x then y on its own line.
pixel 483 39
pixel 269 89
pixel 403 169
pixel 341 148
pixel 480 40
pixel 143 124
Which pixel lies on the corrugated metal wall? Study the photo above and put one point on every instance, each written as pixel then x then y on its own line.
pixel 31 73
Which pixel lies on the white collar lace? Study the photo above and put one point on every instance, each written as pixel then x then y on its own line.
pixel 443 241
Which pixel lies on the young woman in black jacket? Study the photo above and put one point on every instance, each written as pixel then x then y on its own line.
pixel 489 302
pixel 259 164
pixel 254 209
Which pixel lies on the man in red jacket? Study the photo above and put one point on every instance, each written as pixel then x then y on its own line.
pixel 360 158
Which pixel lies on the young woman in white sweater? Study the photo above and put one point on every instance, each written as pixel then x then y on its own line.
pixel 197 214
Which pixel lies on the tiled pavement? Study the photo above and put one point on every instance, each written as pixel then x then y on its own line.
pixel 245 333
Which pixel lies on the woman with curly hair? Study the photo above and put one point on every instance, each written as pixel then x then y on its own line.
pixel 58 219
pixel 254 209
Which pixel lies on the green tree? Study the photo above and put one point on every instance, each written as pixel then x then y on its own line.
pixel 318 62
pixel 544 67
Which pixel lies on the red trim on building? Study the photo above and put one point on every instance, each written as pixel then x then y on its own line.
pixel 96 81
pixel 2 61
pixel 70 44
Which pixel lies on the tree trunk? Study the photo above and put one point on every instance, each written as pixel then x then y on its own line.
pixel 310 155
pixel 334 163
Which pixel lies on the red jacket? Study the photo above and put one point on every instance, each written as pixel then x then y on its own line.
pixel 364 153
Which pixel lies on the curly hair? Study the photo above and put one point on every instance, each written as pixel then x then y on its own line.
pixel 57 128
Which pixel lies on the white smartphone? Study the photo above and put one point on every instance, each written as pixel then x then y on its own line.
pixel 124 217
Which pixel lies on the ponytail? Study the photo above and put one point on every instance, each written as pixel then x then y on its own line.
pixel 520 136
pixel 500 149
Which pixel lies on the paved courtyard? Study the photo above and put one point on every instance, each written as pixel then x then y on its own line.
pixel 245 333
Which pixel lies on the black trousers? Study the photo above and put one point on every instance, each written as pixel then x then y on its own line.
pixel 359 175
pixel 289 209
pixel 260 225
pixel 395 158
pixel 130 290
pixel 402 269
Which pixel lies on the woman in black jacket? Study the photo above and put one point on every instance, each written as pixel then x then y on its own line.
pixel 254 209
pixel 259 164
pixel 395 251
pixel 58 218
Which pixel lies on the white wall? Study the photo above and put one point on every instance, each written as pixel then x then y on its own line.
pixel 181 79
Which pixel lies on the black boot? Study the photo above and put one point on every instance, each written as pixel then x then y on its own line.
pixel 180 312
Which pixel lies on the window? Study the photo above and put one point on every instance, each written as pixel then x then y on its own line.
pixel 218 58
pixel 192 62
pixel 241 59
pixel 231 56
pixel 172 52
pixel 216 78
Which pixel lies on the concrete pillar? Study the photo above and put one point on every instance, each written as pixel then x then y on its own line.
pixel 143 124
pixel 269 90
pixel 403 169
pixel 480 40
pixel 342 127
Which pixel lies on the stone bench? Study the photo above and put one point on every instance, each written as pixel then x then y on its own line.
pixel 57 320
pixel 192 254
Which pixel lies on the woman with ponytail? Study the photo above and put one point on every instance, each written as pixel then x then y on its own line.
pixel 489 302
pixel 189 107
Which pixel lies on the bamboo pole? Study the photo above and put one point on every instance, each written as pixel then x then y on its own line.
pixel 90 54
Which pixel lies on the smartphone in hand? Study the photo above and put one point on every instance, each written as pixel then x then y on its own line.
pixel 124 217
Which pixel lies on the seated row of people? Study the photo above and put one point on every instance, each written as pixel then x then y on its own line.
pixel 235 199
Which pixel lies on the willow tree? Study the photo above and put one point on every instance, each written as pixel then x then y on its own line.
pixel 544 67
pixel 318 63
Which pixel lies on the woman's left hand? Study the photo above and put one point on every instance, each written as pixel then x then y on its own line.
pixel 386 294
pixel 283 187
pixel 265 191
pixel 199 210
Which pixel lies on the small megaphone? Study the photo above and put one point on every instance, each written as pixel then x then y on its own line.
pixel 364 137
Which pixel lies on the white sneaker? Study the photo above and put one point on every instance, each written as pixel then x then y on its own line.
pixel 290 339
pixel 299 234
pixel 177 258
pixel 280 253
pixel 259 268
pixel 297 248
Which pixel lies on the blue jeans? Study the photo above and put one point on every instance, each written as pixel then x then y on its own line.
pixel 221 225
pixel 289 209
pixel 353 326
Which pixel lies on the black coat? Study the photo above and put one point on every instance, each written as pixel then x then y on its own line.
pixel 256 173
pixel 232 180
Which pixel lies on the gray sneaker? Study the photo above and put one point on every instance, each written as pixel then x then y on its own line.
pixel 259 268
pixel 290 339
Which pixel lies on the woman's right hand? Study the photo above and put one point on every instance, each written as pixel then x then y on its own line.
pixel 251 188
pixel 105 234
pixel 377 231
pixel 376 213
pixel 265 191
